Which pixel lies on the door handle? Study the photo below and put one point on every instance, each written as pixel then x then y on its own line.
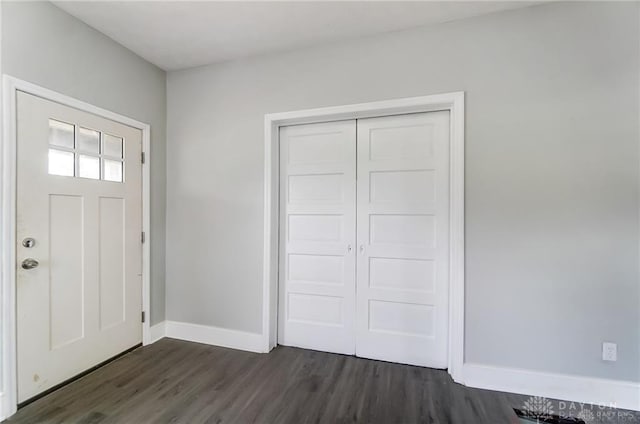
pixel 29 242
pixel 29 263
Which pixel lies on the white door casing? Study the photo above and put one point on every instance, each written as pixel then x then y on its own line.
pixel 454 103
pixel 82 304
pixel 317 236
pixel 403 238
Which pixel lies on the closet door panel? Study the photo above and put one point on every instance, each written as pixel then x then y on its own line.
pixel 403 245
pixel 317 236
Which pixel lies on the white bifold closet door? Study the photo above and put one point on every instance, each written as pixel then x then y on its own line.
pixel 364 260
pixel 317 236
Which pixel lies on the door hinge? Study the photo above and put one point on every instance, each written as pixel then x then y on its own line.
pixel 142 157
pixel 143 316
pixel 142 237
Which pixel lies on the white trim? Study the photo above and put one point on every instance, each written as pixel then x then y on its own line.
pixel 146 227
pixel 454 102
pixel 7 278
pixel 214 336
pixel 10 87
pixel 597 391
pixel 2 408
pixel 5 407
pixel 157 332
pixel 638 158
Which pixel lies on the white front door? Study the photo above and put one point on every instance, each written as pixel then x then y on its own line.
pixel 403 238
pixel 388 187
pixel 317 236
pixel 79 263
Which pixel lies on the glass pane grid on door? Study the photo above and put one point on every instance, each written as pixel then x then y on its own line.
pixel 76 151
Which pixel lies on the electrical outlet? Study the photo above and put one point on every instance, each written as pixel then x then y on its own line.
pixel 609 351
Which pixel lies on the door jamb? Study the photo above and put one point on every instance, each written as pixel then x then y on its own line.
pixel 454 103
pixel 8 165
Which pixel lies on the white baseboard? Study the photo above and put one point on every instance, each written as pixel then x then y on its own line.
pixel 6 408
pixel 3 415
pixel 215 336
pixel 157 331
pixel 619 394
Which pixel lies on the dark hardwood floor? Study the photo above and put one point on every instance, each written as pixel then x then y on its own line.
pixel 174 381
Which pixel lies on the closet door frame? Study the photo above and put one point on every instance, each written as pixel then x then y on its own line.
pixel 452 102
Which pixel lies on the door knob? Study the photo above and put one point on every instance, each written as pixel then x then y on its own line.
pixel 28 242
pixel 29 263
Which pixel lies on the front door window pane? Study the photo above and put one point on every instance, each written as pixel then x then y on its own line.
pixel 61 163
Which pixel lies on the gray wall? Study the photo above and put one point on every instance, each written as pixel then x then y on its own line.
pixel 551 177
pixel 46 46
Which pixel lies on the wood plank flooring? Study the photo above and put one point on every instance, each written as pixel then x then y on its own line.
pixel 174 381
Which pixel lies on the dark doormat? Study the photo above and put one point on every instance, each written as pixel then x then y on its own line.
pixel 537 417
